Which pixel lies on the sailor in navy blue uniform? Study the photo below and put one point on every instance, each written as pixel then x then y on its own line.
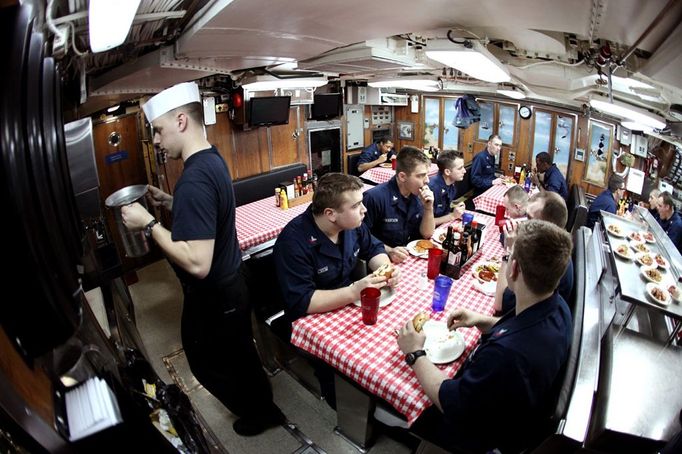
pixel 317 250
pixel 375 154
pixel 450 171
pixel 670 221
pixel 504 390
pixel 204 252
pixel 606 200
pixel 546 206
pixel 401 210
pixel 554 180
pixel 483 166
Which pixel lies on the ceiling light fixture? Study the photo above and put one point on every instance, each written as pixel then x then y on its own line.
pixel 475 60
pixel 623 110
pixel 511 91
pixel 109 22
pixel 634 126
pixel 407 83
pixel 113 108
pixel 266 82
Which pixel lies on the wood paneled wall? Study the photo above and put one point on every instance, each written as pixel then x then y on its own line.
pixel 469 145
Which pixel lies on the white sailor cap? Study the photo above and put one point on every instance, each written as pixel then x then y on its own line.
pixel 175 96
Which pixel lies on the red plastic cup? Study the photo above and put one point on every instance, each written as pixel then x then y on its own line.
pixel 433 267
pixel 499 217
pixel 369 304
pixel 393 163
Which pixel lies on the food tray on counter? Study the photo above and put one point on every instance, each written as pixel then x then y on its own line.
pixel 631 280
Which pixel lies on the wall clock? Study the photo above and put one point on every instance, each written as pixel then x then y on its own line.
pixel 525 112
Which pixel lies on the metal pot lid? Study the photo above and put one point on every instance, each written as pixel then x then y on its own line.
pixel 126 196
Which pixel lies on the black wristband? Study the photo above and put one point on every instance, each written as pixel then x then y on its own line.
pixel 148 228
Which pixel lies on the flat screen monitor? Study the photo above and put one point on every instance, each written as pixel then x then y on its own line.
pixel 269 110
pixel 326 106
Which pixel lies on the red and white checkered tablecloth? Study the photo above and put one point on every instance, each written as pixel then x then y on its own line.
pixel 380 174
pixel 488 201
pixel 370 355
pixel 261 221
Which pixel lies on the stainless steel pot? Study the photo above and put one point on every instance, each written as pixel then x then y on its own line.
pixel 134 243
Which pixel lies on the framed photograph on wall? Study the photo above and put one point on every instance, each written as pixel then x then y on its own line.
pixel 405 130
pixel 598 153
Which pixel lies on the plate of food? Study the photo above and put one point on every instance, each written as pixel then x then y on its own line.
pixel 442 345
pixel 509 181
pixel 623 251
pixel 645 259
pixel 675 293
pixel 658 294
pixel 386 165
pixel 651 274
pixel 615 230
pixel 639 246
pixel 486 271
pixel 648 237
pixel 440 234
pixel 661 261
pixel 420 248
pixel 636 236
pixel 387 296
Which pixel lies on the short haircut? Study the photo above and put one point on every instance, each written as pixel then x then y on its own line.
pixel 494 136
pixel 667 199
pixel 331 189
pixel 616 182
pixel 553 208
pixel 542 251
pixel 446 160
pixel 655 193
pixel 409 158
pixel 544 157
pixel 517 195
pixel 194 110
pixel 384 140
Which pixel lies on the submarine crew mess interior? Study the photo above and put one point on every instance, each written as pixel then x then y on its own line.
pixel 335 227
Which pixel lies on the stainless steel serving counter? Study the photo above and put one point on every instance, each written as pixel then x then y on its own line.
pixel 631 281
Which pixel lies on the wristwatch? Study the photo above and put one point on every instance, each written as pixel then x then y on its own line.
pixel 148 228
pixel 411 358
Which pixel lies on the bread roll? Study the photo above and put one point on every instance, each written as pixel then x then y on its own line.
pixel 419 320
pixel 384 270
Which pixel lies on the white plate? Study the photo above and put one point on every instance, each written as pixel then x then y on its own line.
pixel 487 288
pixel 639 246
pixel 437 337
pixel 636 236
pixel 649 291
pixel 628 254
pixel 644 269
pixel 641 255
pixel 411 249
pixel 477 267
pixel 648 240
pixel 437 235
pixel 387 295
pixel 620 234
pixel 665 263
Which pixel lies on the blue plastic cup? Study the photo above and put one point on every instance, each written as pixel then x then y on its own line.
pixel 441 290
pixel 467 218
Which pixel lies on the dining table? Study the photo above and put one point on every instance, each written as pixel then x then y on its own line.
pixel 383 172
pixel 488 201
pixel 259 223
pixel 368 355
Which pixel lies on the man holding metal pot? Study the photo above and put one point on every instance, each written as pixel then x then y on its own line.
pixel 203 249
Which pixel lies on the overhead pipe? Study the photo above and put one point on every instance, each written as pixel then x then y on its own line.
pixel 648 30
